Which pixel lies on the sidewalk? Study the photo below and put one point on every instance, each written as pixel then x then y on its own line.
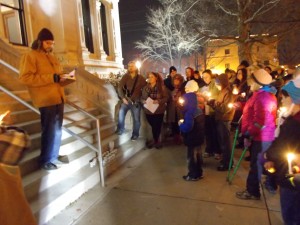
pixel 149 190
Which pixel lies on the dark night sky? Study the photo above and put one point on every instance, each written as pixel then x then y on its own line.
pixel 133 25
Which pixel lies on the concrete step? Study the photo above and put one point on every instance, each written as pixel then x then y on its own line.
pixel 40 180
pixel 53 200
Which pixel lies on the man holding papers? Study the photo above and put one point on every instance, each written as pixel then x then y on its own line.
pixel 155 97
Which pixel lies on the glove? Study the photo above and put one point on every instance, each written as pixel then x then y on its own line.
pixel 247 142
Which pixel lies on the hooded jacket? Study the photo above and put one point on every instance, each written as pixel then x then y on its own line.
pixel 192 128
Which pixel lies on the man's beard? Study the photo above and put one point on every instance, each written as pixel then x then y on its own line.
pixel 48 50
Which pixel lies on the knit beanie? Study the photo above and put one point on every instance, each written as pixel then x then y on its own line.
pixel 172 68
pixel 45 35
pixel 191 86
pixel 293 89
pixel 222 80
pixel 262 77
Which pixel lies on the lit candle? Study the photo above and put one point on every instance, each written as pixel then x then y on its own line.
pixel 235 91
pixel 180 100
pixel 290 157
pixel 271 170
pixel 208 94
pixel 243 95
pixel 230 105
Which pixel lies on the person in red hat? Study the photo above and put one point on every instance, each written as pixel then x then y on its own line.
pixel 41 72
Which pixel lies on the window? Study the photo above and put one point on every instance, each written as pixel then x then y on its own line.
pixel 86 14
pixel 227 65
pixel 227 51
pixel 12 16
pixel 266 62
pixel 104 29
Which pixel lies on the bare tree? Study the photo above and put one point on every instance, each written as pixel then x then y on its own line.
pixel 168 37
pixel 238 19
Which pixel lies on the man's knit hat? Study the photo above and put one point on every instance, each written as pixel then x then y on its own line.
pixel 191 86
pixel 222 80
pixel 262 77
pixel 172 68
pixel 293 89
pixel 45 35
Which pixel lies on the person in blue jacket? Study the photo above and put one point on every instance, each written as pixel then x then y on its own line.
pixel 192 130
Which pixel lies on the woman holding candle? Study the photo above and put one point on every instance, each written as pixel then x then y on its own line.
pixel 278 156
pixel 223 116
pixel 207 92
pixel 258 128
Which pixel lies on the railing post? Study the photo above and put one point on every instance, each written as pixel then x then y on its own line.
pixel 100 160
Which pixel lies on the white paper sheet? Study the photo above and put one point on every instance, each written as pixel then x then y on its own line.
pixel 152 107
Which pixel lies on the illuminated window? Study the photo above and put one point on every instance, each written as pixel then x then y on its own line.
pixel 12 17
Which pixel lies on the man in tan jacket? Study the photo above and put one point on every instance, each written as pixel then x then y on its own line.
pixel 41 72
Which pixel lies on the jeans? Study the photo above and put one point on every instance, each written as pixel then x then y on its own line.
pixel 290 206
pixel 51 122
pixel 256 169
pixel 135 110
pixel 195 161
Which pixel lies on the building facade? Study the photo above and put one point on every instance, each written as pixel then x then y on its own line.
pixel 86 32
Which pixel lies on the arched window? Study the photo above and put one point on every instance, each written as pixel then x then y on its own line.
pixel 12 15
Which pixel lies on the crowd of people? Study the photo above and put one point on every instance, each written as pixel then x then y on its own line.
pixel 201 108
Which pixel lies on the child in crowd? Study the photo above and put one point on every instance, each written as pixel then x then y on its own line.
pixel 192 129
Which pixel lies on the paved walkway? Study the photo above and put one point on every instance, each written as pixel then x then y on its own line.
pixel 149 190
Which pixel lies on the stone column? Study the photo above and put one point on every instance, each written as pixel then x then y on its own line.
pixel 113 33
pixel 100 51
pixel 85 51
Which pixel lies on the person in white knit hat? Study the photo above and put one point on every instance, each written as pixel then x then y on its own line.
pixel 258 128
pixel 192 130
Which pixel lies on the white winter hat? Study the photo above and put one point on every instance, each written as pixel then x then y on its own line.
pixel 191 86
pixel 262 77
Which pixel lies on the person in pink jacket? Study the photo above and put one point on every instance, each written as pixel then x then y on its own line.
pixel 258 127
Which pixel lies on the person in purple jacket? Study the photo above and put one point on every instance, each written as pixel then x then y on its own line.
pixel 258 127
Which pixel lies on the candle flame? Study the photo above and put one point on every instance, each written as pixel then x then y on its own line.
pixel 180 100
pixel 271 170
pixel 290 156
pixel 235 91
pixel 230 105
pixel 243 94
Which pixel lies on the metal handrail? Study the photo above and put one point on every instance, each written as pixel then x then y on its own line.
pixel 99 147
